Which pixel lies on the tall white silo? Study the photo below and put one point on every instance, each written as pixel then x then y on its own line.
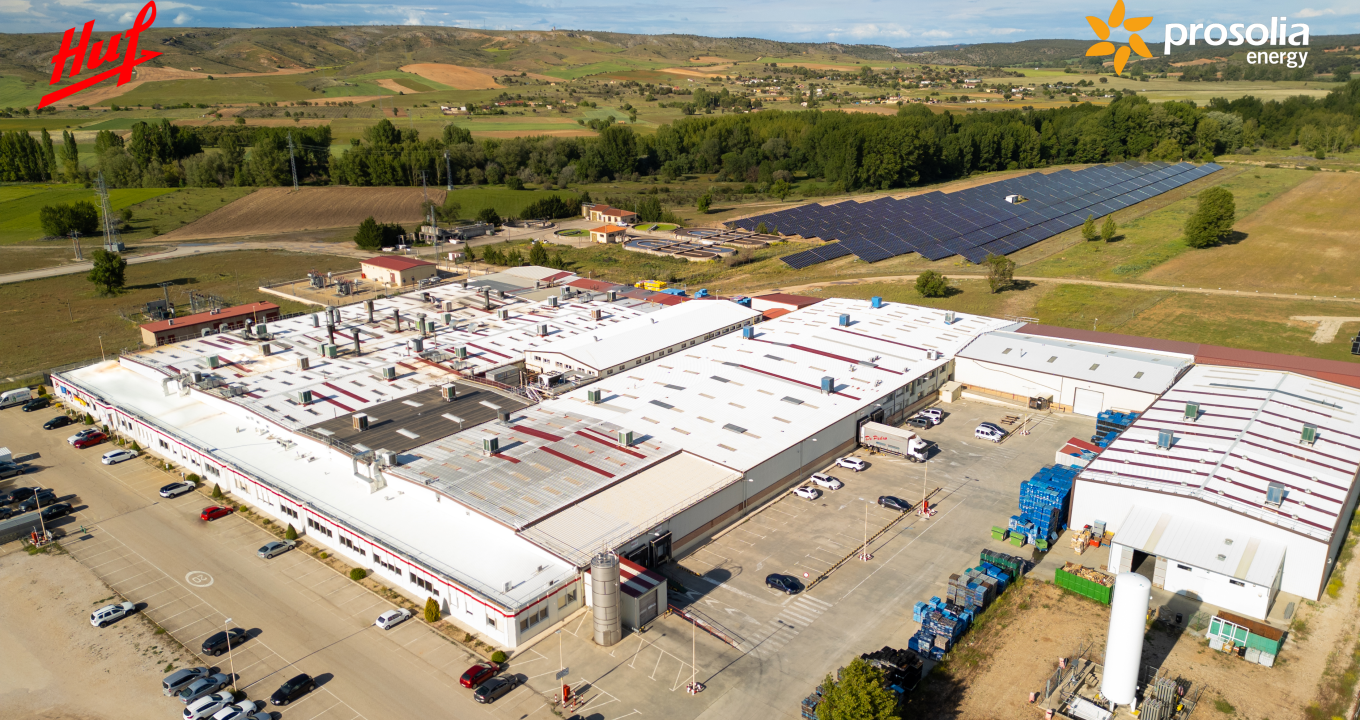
pixel 1124 644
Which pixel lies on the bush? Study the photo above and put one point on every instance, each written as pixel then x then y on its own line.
pixel 552 208
pixel 498 657
pixel 432 611
pixel 323 555
pixel 358 574
pixel 514 183
pixel 290 533
pixel 373 235
pixel 489 216
pixel 62 219
pixel 42 391
pixel 136 447
pixel 932 284
pixel 193 478
pixel 217 492
pixel 87 419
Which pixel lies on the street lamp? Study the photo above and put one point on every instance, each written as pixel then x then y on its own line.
pixel 226 625
pixel 561 664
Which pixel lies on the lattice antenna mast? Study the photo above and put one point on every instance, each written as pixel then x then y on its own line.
pixel 291 162
pixel 448 171
pixel 110 230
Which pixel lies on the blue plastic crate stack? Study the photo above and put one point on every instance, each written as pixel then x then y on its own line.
pixel 1109 424
pixel 1043 503
pixel 943 622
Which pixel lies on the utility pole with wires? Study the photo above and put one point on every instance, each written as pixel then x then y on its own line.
pixel 111 242
pixel 75 238
pixel 291 162
pixel 448 171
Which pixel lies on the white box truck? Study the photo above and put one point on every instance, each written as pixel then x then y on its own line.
pixel 897 441
pixel 10 398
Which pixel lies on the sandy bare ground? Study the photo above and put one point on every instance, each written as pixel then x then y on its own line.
pixel 393 85
pixel 55 666
pixel 100 93
pixel 281 210
pixel 462 77
pixel 699 72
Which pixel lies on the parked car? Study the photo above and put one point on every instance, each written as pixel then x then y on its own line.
pixel 277 547
pixel 41 498
pixel 59 421
pixel 213 512
pixel 219 643
pixel 18 396
pixel 9 470
pixel 37 404
pixel 180 679
pixel 109 613
pixel 175 489
pixel 392 618
pixel 239 711
pixel 827 481
pixel 207 705
pixel 920 422
pixel 478 674
pixel 935 414
pixel 113 457
pixel 894 503
pixel 293 689
pixel 91 440
pixel 18 494
pixel 989 431
pixel 82 435
pixel 203 686
pixel 495 688
pixel 852 463
pixel 808 493
pixel 52 512
pixel 787 584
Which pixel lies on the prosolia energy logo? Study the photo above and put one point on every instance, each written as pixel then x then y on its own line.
pixel 1277 33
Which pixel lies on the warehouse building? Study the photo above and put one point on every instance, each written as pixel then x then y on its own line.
pixel 782 301
pixel 397 270
pixel 1070 376
pixel 1236 484
pixel 173 330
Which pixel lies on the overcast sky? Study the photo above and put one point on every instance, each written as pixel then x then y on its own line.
pixel 889 22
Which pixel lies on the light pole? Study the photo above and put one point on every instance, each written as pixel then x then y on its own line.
pixel 102 356
pixel 561 665
pixel 37 505
pixel 226 625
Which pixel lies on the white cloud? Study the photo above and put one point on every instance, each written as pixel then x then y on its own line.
pixel 181 18
pixel 1003 31
pixel 870 31
pixel 937 34
pixel 1311 13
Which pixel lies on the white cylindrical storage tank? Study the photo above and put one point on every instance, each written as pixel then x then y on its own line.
pixel 1124 644
pixel 604 597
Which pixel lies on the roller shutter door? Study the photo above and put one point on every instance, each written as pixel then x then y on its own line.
pixel 1088 402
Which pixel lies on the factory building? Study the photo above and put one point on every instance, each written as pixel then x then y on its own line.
pixel 172 330
pixel 397 270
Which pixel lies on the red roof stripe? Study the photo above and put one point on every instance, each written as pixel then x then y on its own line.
pixel 336 403
pixel 396 263
pixel 536 433
pixel 344 392
pixel 620 448
pixel 574 461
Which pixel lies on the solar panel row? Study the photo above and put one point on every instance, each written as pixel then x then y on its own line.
pixel 975 221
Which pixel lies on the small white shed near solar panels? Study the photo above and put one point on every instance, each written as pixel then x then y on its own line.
pixel 1077 377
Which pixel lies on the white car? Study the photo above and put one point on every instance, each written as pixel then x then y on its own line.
pixel 239 711
pixel 392 618
pixel 989 431
pixel 934 414
pixel 107 614
pixel 808 493
pixel 277 547
pixel 208 705
pixel 81 435
pixel 113 457
pixel 175 489
pixel 827 481
pixel 851 463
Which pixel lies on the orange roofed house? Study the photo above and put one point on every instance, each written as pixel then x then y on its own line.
pixel 191 326
pixel 608 234
pixel 605 214
pixel 397 270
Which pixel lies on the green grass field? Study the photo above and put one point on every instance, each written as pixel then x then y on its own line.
pixel 44 336
pixel 19 215
pixel 619 64
pixel 161 214
pixel 508 203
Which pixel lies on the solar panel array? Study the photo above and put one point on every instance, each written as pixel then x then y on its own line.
pixel 977 221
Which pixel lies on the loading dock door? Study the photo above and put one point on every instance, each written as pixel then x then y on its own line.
pixel 647 608
pixel 1087 402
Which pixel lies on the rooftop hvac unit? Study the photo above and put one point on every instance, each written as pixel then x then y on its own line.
pixel 612 295
pixel 1165 439
pixel 593 397
pixel 360 422
pixel 332 351
pixel 205 332
pixel 214 361
pixel 305 397
pixel 502 314
pixel 828 384
pixel 316 320
pixel 420 325
pixel 500 294
pixel 387 458
pixel 389 373
pixel 844 321
pixel 949 318
pixel 1309 434
pixel 261 330
pixel 449 392
pixel 197 376
pixel 417 344
pixel 266 350
pixel 1275 494
pixel 596 314
pixel 1355 345
pixel 552 301
pixel 626 438
pixel 543 329
pixel 491 445
pixel 748 332
pixel 503 417
pixel 448 319
pixel 876 301
pixel 304 363
pixel 460 352
pixel 1192 411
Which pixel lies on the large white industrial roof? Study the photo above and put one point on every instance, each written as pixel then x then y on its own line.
pixel 1227 551
pixel 443 536
pixel 739 402
pixel 1116 367
pixel 641 336
pixel 1246 436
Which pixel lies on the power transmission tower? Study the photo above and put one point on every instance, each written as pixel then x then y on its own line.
pixel 448 172
pixel 111 242
pixel 75 237
pixel 292 163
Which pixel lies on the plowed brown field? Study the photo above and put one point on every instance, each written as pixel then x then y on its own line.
pixel 465 78
pixel 280 210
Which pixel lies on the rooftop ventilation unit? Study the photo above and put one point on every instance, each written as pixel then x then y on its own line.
pixel 261 330
pixel 503 417
pixel 543 329
pixel 316 320
pixel 828 384
pixel 502 314
pixel 844 321
pixel 593 397
pixel 360 422
pixel 1191 411
pixel 387 458
pixel 332 351
pixel 449 392
pixel 596 314
pixel 196 376
pixel 305 397
pixel 448 319
pixel 214 361
pixel 1275 494
pixel 1309 434
pixel 389 373
pixel 626 438
pixel 417 344
pixel 1165 439
pixel 304 364
pixel 612 295
pixel 876 301
pixel 950 318
pixel 552 301
pixel 491 445
pixel 460 352
pixel 748 332
pixel 266 350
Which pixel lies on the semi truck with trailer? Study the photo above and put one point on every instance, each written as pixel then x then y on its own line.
pixel 896 441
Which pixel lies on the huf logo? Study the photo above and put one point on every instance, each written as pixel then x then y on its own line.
pixel 84 57
pixel 1102 29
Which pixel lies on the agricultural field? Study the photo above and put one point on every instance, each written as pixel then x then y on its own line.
pixel 19 205
pixel 44 333
pixel 277 211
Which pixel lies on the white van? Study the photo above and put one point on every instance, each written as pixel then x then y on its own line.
pixel 10 398
pixel 988 431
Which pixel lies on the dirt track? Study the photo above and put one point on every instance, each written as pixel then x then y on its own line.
pixel 280 210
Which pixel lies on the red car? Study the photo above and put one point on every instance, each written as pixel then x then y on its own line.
pixel 90 441
pixel 478 674
pixel 214 512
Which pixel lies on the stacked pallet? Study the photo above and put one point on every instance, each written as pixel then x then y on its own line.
pixel 1109 425
pixel 1044 502
pixel 901 668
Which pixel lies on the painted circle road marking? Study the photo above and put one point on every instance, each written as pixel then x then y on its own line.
pixel 198 578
